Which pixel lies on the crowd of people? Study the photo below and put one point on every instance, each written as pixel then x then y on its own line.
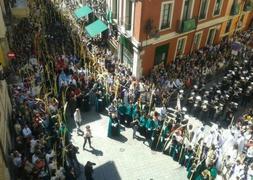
pixel 42 146
pixel 204 152
pixel 52 75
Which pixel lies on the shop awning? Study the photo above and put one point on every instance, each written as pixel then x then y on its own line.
pixel 95 28
pixel 83 11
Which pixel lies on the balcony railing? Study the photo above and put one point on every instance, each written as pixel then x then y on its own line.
pixel 187 25
pixel 234 9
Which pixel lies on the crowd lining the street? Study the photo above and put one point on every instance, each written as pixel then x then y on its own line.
pixel 53 75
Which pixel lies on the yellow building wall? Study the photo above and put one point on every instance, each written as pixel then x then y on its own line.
pixel 2 61
pixel 5 141
pixel 235 19
pixel 20 12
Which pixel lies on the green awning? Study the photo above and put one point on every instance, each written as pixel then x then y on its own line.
pixel 95 28
pixel 83 11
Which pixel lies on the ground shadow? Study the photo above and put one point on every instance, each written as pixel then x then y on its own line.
pixel 95 151
pixel 107 171
pixel 122 128
pixel 120 138
pixel 139 138
pixel 92 114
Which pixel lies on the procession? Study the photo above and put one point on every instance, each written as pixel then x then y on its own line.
pixel 196 111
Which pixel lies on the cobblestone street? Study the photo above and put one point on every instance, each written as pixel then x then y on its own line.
pixel 123 158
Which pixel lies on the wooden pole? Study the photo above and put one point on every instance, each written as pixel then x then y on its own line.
pixel 151 99
pixel 172 133
pixel 163 125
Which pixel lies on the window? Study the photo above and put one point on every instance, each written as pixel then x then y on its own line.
pixel 235 8
pixel 217 7
pixel 240 22
pixel 128 15
pixel 187 9
pixel 196 41
pixel 203 9
pixel 228 26
pixel 181 46
pixel 115 9
pixel 166 15
pixel 211 36
pixel 248 5
pixel 161 54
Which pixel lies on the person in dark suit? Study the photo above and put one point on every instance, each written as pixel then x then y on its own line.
pixel 88 170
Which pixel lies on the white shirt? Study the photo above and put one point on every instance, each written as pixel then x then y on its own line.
pixel 34 159
pixel 209 140
pixel 77 117
pixel 197 136
pixel 17 161
pixel 27 132
pixel 250 152
pixel 241 143
pixel 170 84
pixel 48 156
pixel 178 83
pixel 88 133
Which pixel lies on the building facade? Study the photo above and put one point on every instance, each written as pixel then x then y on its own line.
pixel 5 103
pixel 5 138
pixel 152 32
pixel 4 47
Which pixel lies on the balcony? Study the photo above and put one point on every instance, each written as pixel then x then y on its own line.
pixel 234 9
pixel 20 9
pixel 187 25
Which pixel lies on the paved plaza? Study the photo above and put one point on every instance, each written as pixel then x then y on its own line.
pixel 123 158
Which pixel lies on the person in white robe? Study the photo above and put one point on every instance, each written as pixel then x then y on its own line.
pixel 220 157
pixel 238 171
pixel 241 143
pixel 210 138
pixel 78 118
pixel 199 134
pixel 229 140
pixel 250 172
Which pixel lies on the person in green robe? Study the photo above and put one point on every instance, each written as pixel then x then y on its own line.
pixel 172 146
pixel 195 170
pixel 121 111
pixel 181 159
pixel 99 101
pixel 177 151
pixel 150 125
pixel 186 158
pixel 213 172
pixel 113 127
pixel 155 138
pixel 205 175
pixel 129 113
pixel 164 134
pixel 136 113
pixel 191 170
pixel 142 125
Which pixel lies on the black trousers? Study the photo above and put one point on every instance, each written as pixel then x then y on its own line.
pixel 85 141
